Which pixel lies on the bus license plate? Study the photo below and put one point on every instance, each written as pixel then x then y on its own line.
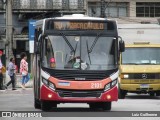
pixel 144 86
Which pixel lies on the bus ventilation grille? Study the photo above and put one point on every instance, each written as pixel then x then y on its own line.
pixel 63 93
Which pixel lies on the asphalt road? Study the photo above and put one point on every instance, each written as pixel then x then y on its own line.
pixel 22 100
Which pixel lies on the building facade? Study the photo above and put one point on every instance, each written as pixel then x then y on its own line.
pixel 124 11
pixel 25 10
pixel 127 11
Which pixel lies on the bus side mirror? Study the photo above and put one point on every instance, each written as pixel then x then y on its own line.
pixel 37 49
pixel 121 44
pixel 37 45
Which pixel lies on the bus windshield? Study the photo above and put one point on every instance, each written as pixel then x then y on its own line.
pixel 141 56
pixel 79 52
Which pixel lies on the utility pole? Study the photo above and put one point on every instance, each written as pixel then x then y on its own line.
pixel 103 9
pixel 9 31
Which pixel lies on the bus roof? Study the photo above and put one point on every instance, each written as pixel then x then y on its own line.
pixel 76 17
pixel 79 17
pixel 73 17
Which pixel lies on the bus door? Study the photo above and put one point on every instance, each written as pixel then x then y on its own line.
pixel 37 68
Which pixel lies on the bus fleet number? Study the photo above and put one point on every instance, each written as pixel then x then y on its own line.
pixel 96 85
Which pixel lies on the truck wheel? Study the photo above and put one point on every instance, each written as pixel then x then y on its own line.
pixel 37 104
pixel 106 106
pixel 158 93
pixel 152 94
pixel 121 93
pixel 46 106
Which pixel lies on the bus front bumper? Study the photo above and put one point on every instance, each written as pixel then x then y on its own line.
pixel 140 87
pixel 48 94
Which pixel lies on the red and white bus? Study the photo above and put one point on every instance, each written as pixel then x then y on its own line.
pixel 76 60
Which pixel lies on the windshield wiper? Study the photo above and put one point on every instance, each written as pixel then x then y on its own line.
pixel 68 43
pixel 94 43
pixel 88 51
pixel 92 46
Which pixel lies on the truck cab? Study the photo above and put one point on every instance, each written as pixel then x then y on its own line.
pixel 140 63
pixel 140 69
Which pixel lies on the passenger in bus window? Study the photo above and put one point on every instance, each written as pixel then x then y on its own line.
pixel 52 63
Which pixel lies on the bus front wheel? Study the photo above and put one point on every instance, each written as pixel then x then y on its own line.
pixel 93 106
pixel 106 106
pixel 103 105
pixel 37 104
pixel 46 106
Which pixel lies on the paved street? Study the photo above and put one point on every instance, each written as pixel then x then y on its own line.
pixel 22 100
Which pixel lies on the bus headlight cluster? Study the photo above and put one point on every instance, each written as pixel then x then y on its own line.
pixel 52 86
pixel 110 85
pixel 45 81
pixel 107 87
pixel 48 84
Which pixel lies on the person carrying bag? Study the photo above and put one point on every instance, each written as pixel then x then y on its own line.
pixel 1 74
pixel 24 70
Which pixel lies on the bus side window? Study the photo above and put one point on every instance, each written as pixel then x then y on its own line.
pixel 48 52
pixel 37 38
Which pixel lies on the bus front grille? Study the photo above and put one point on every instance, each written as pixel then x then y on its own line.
pixel 80 75
pixel 64 93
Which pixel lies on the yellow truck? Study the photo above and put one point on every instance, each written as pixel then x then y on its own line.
pixel 140 63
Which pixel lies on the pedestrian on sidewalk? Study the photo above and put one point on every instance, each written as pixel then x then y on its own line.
pixel 11 73
pixel 24 69
pixel 2 71
pixel 1 75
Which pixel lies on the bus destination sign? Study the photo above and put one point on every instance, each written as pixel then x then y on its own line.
pixel 78 25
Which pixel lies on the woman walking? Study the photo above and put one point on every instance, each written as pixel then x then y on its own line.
pixel 24 69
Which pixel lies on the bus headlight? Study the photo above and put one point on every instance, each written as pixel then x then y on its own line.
pixel 110 85
pixel 107 87
pixel 52 86
pixel 45 81
pixel 114 82
pixel 48 84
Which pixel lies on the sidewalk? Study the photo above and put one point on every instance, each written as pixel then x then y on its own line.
pixel 18 81
pixel 9 91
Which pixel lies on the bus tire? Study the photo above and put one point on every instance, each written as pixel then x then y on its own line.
pixel 37 104
pixel 54 105
pixel 106 106
pixel 94 106
pixel 45 106
pixel 121 93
